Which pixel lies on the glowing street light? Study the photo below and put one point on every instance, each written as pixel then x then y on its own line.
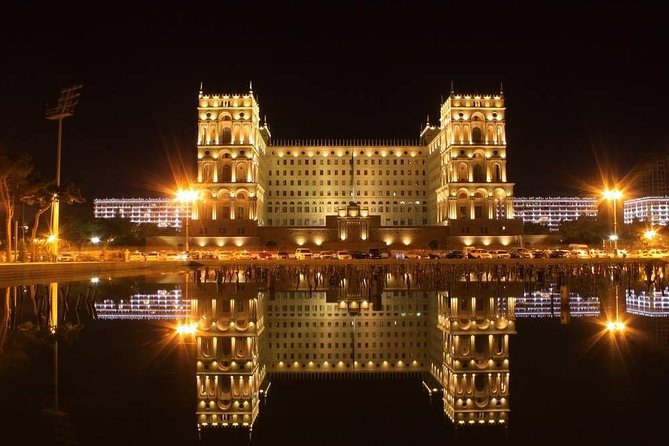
pixel 63 109
pixel 614 195
pixel 188 197
pixel 95 240
pixel 650 234
pixel 188 329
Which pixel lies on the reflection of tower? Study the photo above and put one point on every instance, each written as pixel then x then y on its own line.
pixel 475 369
pixel 229 371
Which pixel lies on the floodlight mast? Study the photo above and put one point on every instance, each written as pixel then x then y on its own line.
pixel 64 109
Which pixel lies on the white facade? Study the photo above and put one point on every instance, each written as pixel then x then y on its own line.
pixel 550 211
pixel 164 212
pixel 654 210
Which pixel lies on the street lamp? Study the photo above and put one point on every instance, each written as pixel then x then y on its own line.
pixel 64 109
pixel 614 195
pixel 187 196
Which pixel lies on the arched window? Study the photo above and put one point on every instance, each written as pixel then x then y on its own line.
pixel 462 173
pixel 477 137
pixel 206 173
pixel 496 173
pixel 226 173
pixel 227 135
pixel 478 173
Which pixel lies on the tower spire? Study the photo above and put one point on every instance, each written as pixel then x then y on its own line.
pixel 452 88
pixel 200 93
pixel 251 87
pixel 501 87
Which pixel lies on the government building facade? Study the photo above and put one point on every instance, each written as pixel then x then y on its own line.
pixel 451 182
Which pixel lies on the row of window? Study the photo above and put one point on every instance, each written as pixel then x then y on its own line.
pixel 343 193
pixel 348 172
pixel 344 162
pixel 337 356
pixel 330 209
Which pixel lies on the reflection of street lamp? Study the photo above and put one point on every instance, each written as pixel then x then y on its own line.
pixel 614 195
pixel 649 235
pixel 353 308
pixel 617 325
pixel 187 196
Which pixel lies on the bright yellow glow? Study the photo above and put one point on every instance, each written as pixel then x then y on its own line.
pixel 186 329
pixel 614 326
pixel 51 238
pixel 186 195
pixel 650 234
pixel 613 194
pixel 95 240
pixel 613 237
pixel 95 280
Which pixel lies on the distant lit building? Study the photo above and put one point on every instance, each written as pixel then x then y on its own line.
pixel 551 211
pixel 653 177
pixel 654 210
pixel 161 305
pixel 164 212
pixel 547 305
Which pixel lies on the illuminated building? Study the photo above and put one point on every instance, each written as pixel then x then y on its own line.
pixel 475 361
pixel 651 310
pixel 453 178
pixel 163 304
pixel 654 210
pixel 164 212
pixel 550 211
pixel 653 177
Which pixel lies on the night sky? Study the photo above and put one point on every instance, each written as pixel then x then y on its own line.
pixel 586 86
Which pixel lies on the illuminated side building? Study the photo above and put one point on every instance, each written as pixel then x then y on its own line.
pixel 475 369
pixel 652 311
pixel 164 212
pixel 654 210
pixel 551 211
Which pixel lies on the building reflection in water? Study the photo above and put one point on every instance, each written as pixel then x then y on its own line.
pixel 251 329
pixel 652 311
pixel 162 305
pixel 474 370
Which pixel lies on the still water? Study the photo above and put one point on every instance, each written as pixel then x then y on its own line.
pixel 334 355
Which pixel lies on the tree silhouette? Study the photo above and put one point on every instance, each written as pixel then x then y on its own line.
pixel 14 172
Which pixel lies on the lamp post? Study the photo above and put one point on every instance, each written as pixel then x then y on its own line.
pixel 187 196
pixel 64 109
pixel 614 195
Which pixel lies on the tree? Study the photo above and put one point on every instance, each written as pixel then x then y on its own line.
pixel 14 172
pixel 42 195
pixel 531 228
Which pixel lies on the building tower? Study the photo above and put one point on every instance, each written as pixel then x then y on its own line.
pixel 231 144
pixel 468 155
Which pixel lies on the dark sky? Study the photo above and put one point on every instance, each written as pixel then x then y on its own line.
pixel 586 85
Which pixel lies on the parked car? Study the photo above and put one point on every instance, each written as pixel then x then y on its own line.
pixel 136 257
pixel 500 254
pixel 67 257
pixel 242 255
pixel 359 255
pixel 415 255
pixel 303 253
pixel 224 255
pixel 175 256
pixel 378 253
pixel 328 255
pixel 344 255
pixel 454 255
pixel 521 253
pixel 264 255
pixel 479 254
pixel 152 256
pixel 282 255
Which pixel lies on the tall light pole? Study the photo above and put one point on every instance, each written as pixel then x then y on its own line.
pixel 64 109
pixel 187 196
pixel 614 195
